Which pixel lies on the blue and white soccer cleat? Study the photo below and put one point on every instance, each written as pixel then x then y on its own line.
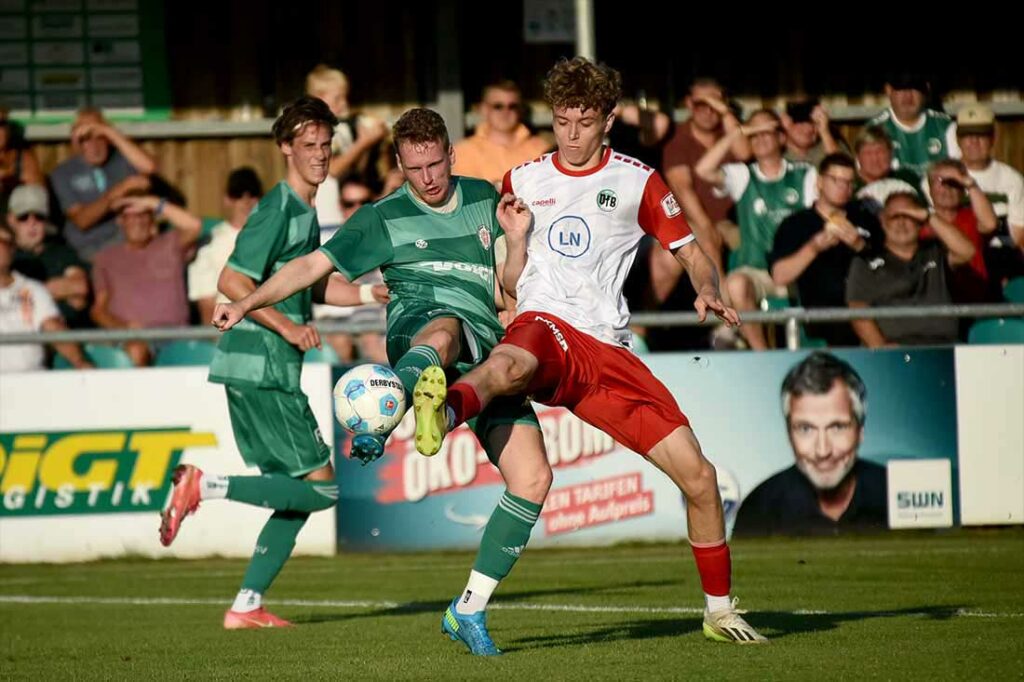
pixel 471 630
pixel 367 447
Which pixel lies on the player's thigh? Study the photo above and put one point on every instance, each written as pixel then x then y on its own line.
pixel 417 326
pixel 276 431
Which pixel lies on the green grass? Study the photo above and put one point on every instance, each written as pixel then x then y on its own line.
pixel 886 607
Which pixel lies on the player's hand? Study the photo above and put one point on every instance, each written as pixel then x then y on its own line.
pixel 710 300
pixel 844 231
pixel 302 336
pixel 227 315
pixel 381 293
pixel 514 216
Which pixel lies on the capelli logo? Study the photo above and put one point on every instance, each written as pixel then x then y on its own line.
pixel 544 202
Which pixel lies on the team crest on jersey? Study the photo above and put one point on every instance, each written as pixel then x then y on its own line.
pixel 934 146
pixel 792 196
pixel 760 207
pixel 670 206
pixel 485 236
pixel 606 200
pixel 421 243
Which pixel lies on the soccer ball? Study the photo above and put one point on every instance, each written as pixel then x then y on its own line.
pixel 369 399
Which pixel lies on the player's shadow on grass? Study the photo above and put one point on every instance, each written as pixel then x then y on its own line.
pixel 775 625
pixel 438 607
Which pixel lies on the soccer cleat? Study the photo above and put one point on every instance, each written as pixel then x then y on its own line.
pixel 184 501
pixel 429 407
pixel 367 447
pixel 260 618
pixel 470 629
pixel 728 625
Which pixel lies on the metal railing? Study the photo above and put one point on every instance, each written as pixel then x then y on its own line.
pixel 791 318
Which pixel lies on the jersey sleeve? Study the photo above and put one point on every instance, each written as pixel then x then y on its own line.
pixel 737 177
pixel 506 184
pixel 258 244
pixel 361 245
pixel 661 216
pixel 810 187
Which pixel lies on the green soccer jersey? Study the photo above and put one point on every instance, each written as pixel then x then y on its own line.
pixel 762 205
pixel 430 260
pixel 915 148
pixel 282 228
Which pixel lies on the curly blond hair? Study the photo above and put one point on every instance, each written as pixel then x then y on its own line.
pixel 578 83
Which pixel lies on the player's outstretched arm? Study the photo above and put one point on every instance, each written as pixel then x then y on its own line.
pixel 335 289
pixel 298 274
pixel 705 282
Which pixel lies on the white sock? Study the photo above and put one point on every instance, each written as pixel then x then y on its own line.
pixel 714 603
pixel 477 593
pixel 247 601
pixel 213 487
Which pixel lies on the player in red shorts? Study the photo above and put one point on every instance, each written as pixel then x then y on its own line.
pixel 570 343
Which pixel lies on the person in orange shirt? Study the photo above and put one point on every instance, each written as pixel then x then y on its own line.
pixel 501 141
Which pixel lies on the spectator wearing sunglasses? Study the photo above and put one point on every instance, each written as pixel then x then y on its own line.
pixel 501 140
pixel 47 260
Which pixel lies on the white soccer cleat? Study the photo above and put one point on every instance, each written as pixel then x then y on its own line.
pixel 728 625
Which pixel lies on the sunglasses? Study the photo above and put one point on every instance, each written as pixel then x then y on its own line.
pixel 950 182
pixel 22 217
pixel 502 106
pixel 345 203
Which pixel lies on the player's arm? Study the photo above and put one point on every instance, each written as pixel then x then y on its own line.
pixel 704 277
pixel 709 168
pixel 295 276
pixel 335 289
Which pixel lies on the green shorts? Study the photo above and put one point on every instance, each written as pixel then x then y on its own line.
pixel 276 431
pixel 501 411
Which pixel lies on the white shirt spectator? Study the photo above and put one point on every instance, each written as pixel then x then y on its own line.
pixel 204 271
pixel 24 306
pixel 1005 189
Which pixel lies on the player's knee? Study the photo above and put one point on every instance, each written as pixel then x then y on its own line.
pixel 532 486
pixel 508 373
pixel 700 481
pixel 445 342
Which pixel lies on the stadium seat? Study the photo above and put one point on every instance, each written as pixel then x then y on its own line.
pixel 185 353
pixel 103 357
pixel 1014 290
pixel 325 354
pixel 997 331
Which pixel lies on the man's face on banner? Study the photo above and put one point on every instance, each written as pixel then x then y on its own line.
pixel 825 435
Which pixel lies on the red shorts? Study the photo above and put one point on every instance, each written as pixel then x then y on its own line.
pixel 604 385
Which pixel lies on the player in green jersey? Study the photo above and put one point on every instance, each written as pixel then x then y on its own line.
pixel 260 361
pixel 439 241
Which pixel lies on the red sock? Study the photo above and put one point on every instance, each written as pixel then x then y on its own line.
pixel 714 566
pixel 463 399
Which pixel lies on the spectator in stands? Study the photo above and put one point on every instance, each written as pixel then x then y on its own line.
pixel 354 195
pixel 919 135
pixel 141 282
pixel 809 134
pixel 355 147
pixel 47 260
pixel 18 163
pixel 814 247
pixel 501 140
pixel 640 131
pixel 1004 186
pixel 876 178
pixel 244 191
pixel 765 192
pixel 107 165
pixel 26 306
pixel 829 489
pixel 907 272
pixel 948 183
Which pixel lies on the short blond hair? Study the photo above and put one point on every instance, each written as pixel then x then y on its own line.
pixel 322 77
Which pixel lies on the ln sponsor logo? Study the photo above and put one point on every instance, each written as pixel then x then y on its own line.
pixel 91 472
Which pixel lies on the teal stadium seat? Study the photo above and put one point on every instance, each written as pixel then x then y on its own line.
pixel 102 357
pixel 185 354
pixel 1014 290
pixel 997 331
pixel 325 355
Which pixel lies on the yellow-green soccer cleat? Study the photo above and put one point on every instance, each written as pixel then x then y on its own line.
pixel 728 625
pixel 429 407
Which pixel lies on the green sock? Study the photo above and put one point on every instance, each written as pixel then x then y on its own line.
pixel 274 546
pixel 277 491
pixel 411 365
pixel 506 535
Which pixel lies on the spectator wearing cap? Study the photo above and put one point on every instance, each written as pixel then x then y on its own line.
pixel 501 140
pixel 919 135
pixel 876 178
pixel 47 260
pixel 809 134
pixel 1003 185
pixel 244 191
pixel 141 282
pixel 107 165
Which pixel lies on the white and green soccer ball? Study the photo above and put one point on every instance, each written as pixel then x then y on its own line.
pixel 369 399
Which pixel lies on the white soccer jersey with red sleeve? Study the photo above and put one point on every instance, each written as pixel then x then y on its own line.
pixel 587 226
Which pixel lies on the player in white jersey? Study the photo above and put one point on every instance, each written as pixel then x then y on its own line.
pixel 569 345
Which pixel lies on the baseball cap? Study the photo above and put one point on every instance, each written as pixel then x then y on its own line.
pixel 975 119
pixel 29 199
